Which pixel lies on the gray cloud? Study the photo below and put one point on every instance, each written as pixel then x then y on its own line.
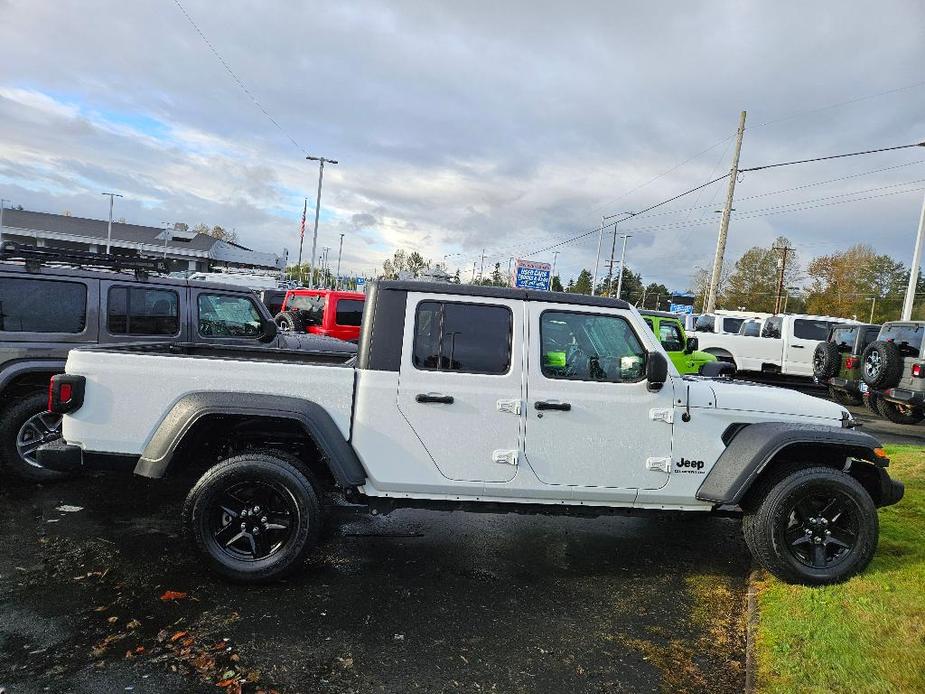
pixel 463 126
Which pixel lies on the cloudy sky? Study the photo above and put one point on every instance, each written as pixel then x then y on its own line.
pixel 509 126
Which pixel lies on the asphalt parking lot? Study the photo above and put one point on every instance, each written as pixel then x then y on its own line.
pixel 100 593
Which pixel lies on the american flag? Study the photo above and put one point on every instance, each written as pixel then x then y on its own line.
pixel 302 226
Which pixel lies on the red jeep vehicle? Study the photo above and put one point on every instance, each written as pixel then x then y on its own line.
pixel 323 312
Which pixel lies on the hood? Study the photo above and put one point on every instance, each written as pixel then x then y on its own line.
pixel 753 397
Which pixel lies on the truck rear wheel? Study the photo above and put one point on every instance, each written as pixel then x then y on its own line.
pixel 254 517
pixel 25 424
pixel 811 525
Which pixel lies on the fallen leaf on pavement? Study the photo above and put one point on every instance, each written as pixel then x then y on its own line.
pixel 173 595
pixel 179 635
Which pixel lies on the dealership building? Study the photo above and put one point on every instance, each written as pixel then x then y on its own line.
pixel 183 249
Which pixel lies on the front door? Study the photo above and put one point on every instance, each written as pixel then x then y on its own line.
pixel 591 419
pixel 460 386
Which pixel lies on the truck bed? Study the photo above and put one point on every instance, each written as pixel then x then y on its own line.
pixel 133 388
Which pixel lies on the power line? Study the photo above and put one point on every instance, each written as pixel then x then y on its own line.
pixel 833 156
pixel 840 103
pixel 235 77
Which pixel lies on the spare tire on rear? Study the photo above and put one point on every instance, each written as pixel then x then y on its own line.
pixel 826 361
pixel 881 364
pixel 291 321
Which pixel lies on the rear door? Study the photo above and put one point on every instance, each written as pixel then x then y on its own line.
pixel 135 312
pixel 806 333
pixel 461 383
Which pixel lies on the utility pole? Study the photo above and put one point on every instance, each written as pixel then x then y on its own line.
pixel 873 302
pixel 613 249
pixel 555 257
pixel 3 202
pixel 914 270
pixel 724 222
pixel 784 250
pixel 473 272
pixel 622 261
pixel 339 251
pixel 321 162
pixel 109 230
pixel 482 266
pixel 597 260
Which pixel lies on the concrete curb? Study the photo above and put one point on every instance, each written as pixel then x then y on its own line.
pixel 751 626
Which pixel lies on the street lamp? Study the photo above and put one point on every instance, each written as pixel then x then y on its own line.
pixel 321 162
pixel 339 251
pixel 109 230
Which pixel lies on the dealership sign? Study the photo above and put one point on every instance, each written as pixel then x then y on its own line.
pixel 532 275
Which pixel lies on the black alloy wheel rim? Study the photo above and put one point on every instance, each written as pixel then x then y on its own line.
pixel 822 529
pixel 252 520
pixel 36 431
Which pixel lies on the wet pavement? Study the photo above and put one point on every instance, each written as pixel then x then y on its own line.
pixel 110 598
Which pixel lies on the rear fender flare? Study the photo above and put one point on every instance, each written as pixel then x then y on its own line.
pixel 314 419
pixel 755 446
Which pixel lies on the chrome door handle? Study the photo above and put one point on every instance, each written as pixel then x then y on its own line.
pixel 434 397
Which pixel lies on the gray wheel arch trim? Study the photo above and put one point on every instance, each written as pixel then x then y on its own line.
pixel 317 422
pixel 755 445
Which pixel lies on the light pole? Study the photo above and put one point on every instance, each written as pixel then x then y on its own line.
pixel 613 248
pixel 555 257
pixel 109 229
pixel 339 251
pixel 3 202
pixel 600 238
pixel 914 269
pixel 321 162
pixel 622 261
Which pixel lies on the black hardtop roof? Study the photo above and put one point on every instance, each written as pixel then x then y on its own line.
pixel 500 293
pixel 661 314
pixel 51 271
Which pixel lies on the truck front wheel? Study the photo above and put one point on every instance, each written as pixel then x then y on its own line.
pixel 254 517
pixel 811 525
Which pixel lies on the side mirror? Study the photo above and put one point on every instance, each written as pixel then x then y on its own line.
pixel 692 345
pixel 268 331
pixel 656 370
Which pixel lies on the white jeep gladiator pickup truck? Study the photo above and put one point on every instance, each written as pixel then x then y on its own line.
pixel 475 398
pixel 784 344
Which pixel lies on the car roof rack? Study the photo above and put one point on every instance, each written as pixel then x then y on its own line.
pixel 35 257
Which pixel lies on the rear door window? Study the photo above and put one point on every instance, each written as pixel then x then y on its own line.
pixel 221 315
pixel 907 337
pixel 811 329
pixel 732 325
pixel 470 338
pixel 141 311
pixel 42 306
pixel 349 312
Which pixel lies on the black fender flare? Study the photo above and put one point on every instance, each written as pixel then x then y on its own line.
pixel 13 370
pixel 754 446
pixel 314 419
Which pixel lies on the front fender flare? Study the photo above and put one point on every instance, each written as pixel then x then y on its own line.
pixel 317 422
pixel 754 446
